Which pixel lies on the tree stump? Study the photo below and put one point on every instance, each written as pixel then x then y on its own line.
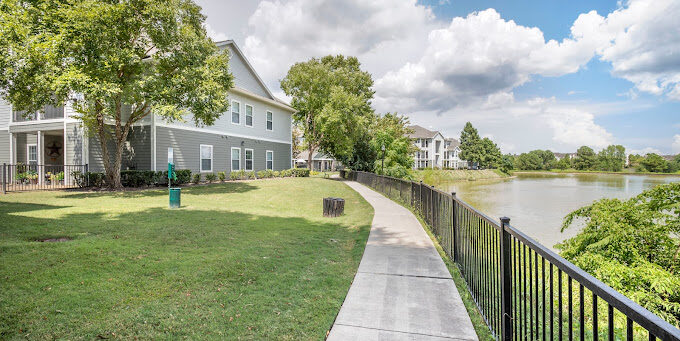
pixel 333 207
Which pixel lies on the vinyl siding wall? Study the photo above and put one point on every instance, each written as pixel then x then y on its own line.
pixel 186 148
pixel 137 154
pixel 281 121
pixel 4 146
pixel 243 76
pixel 73 144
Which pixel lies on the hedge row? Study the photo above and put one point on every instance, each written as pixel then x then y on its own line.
pixel 141 178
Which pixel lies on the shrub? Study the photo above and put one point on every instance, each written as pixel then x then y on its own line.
pixel 197 178
pixel 86 179
pixel 210 177
pixel 237 175
pixel 183 176
pixel 276 174
pixel 250 175
pixel 221 175
pixel 138 178
pixel 300 172
pixel 286 173
pixel 266 173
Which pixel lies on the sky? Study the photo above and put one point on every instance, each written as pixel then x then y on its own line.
pixel 528 74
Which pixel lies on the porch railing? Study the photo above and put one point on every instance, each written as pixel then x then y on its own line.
pixel 523 290
pixel 31 177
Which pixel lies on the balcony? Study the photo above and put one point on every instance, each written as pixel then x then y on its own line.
pixel 48 113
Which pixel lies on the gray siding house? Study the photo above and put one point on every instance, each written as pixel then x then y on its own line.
pixel 254 135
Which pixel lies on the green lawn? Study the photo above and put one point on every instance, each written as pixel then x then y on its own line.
pixel 249 260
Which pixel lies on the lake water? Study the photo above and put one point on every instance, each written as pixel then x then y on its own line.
pixel 537 203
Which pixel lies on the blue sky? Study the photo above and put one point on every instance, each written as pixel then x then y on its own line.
pixel 608 76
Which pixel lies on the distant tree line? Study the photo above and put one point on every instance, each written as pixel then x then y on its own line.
pixel 609 159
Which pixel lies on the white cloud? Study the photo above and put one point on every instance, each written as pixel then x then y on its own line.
pixel 675 146
pixel 520 126
pixel 215 35
pixel 641 42
pixel 483 56
pixel 644 151
pixel 383 34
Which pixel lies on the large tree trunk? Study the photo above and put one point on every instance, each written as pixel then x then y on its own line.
pixel 112 170
pixel 310 157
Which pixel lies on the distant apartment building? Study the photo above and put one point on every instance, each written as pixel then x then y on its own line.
pixel 434 150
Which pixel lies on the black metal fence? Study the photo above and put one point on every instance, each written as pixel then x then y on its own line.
pixel 31 177
pixel 523 290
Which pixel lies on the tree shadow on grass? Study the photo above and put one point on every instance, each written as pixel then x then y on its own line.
pixel 129 272
pixel 227 187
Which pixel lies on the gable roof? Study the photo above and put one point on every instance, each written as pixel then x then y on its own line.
pixel 421 133
pixel 453 144
pixel 317 156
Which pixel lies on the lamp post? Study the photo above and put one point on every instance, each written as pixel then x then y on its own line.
pixel 382 163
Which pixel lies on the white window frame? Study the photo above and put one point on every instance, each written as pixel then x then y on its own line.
pixel 266 161
pixel 245 116
pixel 268 120
pixel 245 159
pixel 231 159
pixel 231 111
pixel 200 159
pixel 28 153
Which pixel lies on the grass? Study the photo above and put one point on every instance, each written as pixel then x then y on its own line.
pixel 438 176
pixel 242 260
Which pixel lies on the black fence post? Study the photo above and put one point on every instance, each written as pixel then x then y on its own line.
pixel 454 228
pixel 87 176
pixel 506 285
pixel 420 199
pixel 432 206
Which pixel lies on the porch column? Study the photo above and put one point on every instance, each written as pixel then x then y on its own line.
pixel 41 157
pixel 12 148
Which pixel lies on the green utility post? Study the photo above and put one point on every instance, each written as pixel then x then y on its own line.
pixel 174 192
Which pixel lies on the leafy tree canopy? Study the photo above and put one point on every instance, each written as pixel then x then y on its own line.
pixel 612 158
pixel 391 131
pixel 632 246
pixel 470 144
pixel 332 96
pixel 116 61
pixel 653 163
pixel 585 159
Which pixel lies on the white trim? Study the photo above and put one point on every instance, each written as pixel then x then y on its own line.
pixel 231 159
pixel 52 120
pixel 12 152
pixel 210 131
pixel 245 115
pixel 231 112
pixel 267 121
pixel 275 103
pixel 265 159
pixel 28 153
pixel 200 159
pixel 153 142
pixel 245 159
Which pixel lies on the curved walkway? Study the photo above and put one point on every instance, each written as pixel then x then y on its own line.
pixel 402 289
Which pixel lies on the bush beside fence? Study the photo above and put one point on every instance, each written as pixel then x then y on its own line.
pixel 523 290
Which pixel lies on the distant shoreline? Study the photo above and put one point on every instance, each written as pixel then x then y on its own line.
pixel 593 172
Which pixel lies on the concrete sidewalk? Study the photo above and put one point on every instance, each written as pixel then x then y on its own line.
pixel 402 290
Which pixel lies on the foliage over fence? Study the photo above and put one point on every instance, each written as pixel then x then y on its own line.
pixel 523 290
pixel 632 246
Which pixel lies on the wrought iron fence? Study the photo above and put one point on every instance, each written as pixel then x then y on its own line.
pixel 31 177
pixel 523 290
